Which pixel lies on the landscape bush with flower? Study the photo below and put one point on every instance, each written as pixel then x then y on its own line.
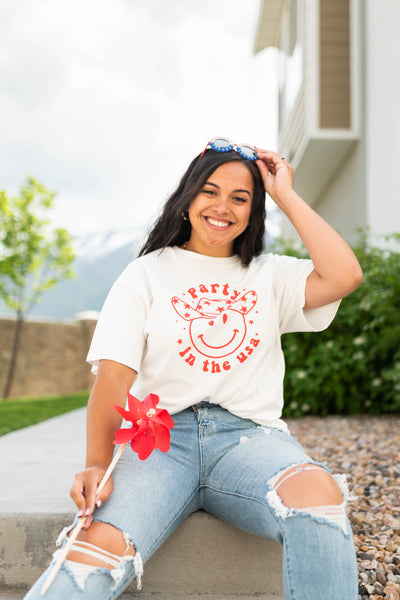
pixel 354 366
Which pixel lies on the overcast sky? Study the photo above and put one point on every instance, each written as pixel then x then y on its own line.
pixel 107 101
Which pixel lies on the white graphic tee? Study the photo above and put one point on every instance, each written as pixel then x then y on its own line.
pixel 198 328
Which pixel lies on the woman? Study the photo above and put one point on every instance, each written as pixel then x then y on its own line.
pixel 197 319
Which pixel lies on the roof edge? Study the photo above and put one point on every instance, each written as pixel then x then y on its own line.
pixel 268 24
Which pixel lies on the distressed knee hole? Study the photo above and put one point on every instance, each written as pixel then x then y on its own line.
pixel 307 485
pixel 101 545
pixel 309 490
pixel 103 550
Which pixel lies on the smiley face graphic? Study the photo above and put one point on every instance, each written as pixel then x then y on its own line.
pixel 217 328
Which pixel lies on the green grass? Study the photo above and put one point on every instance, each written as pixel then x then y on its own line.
pixel 17 413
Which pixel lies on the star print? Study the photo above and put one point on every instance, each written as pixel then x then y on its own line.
pixel 179 341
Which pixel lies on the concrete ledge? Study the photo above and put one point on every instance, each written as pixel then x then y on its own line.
pixel 19 595
pixel 204 555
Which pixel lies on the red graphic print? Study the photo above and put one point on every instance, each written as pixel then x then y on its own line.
pixel 217 327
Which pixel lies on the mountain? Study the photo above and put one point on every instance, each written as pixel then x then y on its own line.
pixel 101 257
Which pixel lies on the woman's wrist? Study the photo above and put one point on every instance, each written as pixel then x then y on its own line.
pixel 101 466
pixel 100 459
pixel 287 201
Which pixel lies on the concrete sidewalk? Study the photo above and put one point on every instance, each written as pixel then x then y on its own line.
pixel 39 463
pixel 204 556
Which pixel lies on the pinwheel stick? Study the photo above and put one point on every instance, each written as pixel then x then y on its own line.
pixel 149 430
pixel 79 525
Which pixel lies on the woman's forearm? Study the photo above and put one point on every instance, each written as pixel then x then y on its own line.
pixel 103 420
pixel 334 261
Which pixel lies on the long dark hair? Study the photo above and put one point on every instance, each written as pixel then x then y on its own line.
pixel 171 229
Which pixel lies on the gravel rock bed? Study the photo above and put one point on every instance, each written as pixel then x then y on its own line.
pixel 367 450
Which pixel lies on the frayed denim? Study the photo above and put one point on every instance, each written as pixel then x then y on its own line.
pixel 229 467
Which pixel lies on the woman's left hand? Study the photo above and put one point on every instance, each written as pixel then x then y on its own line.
pixel 276 172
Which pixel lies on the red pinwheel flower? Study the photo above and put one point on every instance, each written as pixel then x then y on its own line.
pixel 150 426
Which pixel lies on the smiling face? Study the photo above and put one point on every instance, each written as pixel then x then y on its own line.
pixel 219 336
pixel 221 210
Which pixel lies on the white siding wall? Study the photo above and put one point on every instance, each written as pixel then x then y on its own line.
pixel 344 203
pixel 383 115
pixel 366 190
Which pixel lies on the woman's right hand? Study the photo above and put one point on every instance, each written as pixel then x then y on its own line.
pixel 84 492
pixel 109 389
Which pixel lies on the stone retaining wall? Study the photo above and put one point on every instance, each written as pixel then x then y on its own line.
pixel 51 358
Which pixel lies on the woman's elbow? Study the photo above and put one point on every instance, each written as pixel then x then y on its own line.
pixel 354 278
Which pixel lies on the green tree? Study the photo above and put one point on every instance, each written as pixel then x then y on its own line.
pixel 34 256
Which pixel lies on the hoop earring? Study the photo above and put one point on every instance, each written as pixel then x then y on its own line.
pixel 185 218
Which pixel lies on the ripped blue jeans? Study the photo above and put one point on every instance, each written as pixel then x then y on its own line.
pixel 229 467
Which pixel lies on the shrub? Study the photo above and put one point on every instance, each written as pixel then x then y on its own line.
pixel 354 366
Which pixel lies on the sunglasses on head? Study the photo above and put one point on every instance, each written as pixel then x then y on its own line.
pixel 221 144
